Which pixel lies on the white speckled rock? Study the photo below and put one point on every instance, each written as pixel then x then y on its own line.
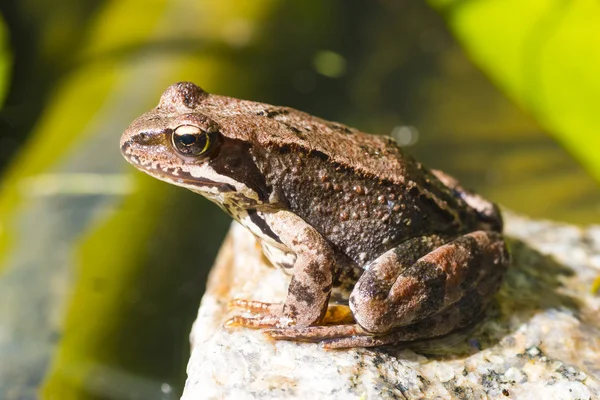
pixel 540 340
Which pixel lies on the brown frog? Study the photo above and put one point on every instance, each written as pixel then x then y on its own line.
pixel 334 207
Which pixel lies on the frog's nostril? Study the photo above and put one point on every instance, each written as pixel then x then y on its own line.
pixel 144 137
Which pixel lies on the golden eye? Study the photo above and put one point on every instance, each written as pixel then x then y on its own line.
pixel 190 140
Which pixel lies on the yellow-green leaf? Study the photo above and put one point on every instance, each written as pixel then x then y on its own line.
pixel 546 55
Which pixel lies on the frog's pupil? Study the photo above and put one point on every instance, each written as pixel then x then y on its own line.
pixel 187 140
pixel 192 143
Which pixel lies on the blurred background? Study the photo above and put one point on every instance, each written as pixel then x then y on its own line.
pixel 102 268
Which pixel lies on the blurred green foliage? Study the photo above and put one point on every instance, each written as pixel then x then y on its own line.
pixel 5 61
pixel 546 55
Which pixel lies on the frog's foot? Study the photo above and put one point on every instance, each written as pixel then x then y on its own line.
pixel 271 315
pixel 263 315
pixel 338 336
pixel 315 333
pixel 256 307
pixel 263 321
pixel 466 311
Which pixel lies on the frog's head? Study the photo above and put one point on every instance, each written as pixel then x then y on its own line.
pixel 181 142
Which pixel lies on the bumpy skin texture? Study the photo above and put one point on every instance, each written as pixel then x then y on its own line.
pixel 333 207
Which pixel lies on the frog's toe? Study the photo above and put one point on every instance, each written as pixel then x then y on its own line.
pixel 259 322
pixel 364 340
pixel 256 307
pixel 314 333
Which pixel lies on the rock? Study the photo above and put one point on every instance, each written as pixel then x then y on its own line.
pixel 539 340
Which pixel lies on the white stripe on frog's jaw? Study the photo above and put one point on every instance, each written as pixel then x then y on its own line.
pixel 203 179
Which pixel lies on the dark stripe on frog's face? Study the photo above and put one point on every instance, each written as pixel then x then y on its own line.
pixel 233 159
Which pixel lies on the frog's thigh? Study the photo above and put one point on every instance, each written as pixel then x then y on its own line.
pixel 381 302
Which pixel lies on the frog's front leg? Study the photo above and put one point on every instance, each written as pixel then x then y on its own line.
pixel 311 283
pixel 418 290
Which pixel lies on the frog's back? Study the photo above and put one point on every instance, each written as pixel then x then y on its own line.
pixel 273 126
pixel 362 215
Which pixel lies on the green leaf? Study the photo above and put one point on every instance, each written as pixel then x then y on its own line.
pixel 546 55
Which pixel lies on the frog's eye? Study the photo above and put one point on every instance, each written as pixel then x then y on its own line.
pixel 190 140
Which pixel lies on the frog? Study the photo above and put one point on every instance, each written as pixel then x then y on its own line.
pixel 336 209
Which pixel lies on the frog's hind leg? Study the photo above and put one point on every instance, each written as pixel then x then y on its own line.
pixel 383 302
pixel 463 313
pixel 336 323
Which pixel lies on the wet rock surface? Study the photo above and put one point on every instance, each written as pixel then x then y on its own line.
pixel 539 340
